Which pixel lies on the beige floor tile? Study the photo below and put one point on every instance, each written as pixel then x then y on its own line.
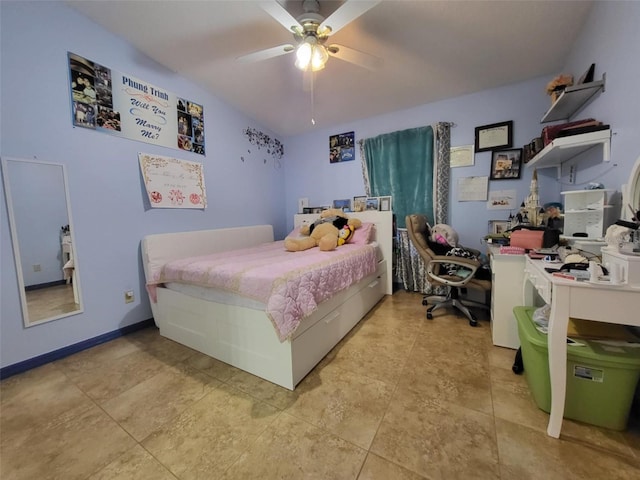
pixel 526 453
pixel 34 398
pixel 215 368
pixel 501 357
pixel 113 378
pixel 436 439
pixel 377 468
pixel 293 449
pixel 136 464
pixel 166 350
pixel 377 355
pixel 261 389
pixel 346 404
pixel 96 357
pixel 68 447
pixel 157 400
pixel 211 434
pixel 513 401
pixel 463 383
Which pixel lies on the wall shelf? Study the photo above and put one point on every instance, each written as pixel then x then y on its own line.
pixel 565 148
pixel 572 100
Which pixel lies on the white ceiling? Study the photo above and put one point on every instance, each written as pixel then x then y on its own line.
pixel 431 50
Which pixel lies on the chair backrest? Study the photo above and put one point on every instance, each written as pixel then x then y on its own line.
pixel 418 230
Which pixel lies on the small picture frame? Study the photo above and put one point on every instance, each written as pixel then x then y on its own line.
pixel 506 164
pixel 497 227
pixel 385 204
pixel 359 203
pixel 343 204
pixel 372 203
pixel 494 136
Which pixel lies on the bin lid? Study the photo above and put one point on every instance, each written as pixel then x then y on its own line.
pixel 589 350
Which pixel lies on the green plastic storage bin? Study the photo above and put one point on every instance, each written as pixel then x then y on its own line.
pixel 601 380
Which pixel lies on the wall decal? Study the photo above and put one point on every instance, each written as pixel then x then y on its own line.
pixel 261 140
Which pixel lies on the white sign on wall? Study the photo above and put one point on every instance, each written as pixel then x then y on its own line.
pixel 106 100
pixel 173 183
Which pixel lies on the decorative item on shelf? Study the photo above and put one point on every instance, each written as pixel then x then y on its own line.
pixel 551 132
pixel 556 86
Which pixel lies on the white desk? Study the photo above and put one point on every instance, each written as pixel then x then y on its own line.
pixel 507 273
pixel 570 298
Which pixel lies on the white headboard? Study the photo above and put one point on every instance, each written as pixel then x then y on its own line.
pixel 384 235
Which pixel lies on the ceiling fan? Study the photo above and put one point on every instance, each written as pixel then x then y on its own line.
pixel 311 32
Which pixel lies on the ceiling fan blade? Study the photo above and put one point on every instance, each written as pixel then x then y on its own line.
pixel 283 17
pixel 347 12
pixel 267 53
pixel 356 57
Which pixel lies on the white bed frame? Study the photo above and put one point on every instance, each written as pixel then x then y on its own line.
pixel 244 337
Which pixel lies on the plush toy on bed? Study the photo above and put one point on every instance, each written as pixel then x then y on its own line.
pixel 332 229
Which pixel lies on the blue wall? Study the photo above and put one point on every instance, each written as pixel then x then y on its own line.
pixel 105 186
pixel 610 39
pixel 104 175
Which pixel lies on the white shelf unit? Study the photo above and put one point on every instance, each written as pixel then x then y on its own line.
pixel 572 100
pixel 565 148
pixel 588 211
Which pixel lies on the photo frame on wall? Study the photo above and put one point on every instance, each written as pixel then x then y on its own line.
pixel 506 164
pixel 385 204
pixel 494 136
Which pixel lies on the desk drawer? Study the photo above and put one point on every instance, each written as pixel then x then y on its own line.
pixel 542 285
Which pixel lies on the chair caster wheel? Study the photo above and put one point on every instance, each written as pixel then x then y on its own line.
pixel 424 302
pixel 429 316
pixel 473 323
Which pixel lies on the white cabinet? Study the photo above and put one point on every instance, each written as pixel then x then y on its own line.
pixel 588 212
pixel 506 292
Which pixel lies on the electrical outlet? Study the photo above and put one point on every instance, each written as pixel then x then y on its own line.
pixel 37 267
pixel 129 296
pixel 572 174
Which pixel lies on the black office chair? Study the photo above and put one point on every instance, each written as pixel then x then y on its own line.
pixel 457 273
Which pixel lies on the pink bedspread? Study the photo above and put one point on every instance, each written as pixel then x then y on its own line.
pixel 291 284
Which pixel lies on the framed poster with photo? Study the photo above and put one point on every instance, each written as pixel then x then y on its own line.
pixel 342 147
pixel 506 164
pixel 494 136
pixel 385 204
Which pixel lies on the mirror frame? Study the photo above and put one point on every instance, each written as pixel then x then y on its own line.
pixel 16 247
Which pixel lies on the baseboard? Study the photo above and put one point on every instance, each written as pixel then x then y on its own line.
pixel 40 286
pixel 40 360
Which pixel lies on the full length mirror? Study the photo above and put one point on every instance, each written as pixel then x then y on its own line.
pixel 43 239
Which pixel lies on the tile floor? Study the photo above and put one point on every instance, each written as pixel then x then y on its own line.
pixel 400 397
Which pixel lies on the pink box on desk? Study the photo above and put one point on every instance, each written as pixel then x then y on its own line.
pixel 527 239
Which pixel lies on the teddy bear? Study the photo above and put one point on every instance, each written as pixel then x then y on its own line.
pixel 332 229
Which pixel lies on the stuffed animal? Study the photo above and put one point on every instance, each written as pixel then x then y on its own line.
pixel 445 235
pixel 327 232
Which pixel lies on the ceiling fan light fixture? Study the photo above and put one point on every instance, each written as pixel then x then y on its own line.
pixel 310 54
pixel 319 57
pixel 303 55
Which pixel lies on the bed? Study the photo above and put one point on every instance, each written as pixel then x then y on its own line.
pixel 240 331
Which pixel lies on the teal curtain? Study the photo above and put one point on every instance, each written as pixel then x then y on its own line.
pixel 400 164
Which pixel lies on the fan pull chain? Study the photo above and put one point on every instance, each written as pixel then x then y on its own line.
pixel 313 121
